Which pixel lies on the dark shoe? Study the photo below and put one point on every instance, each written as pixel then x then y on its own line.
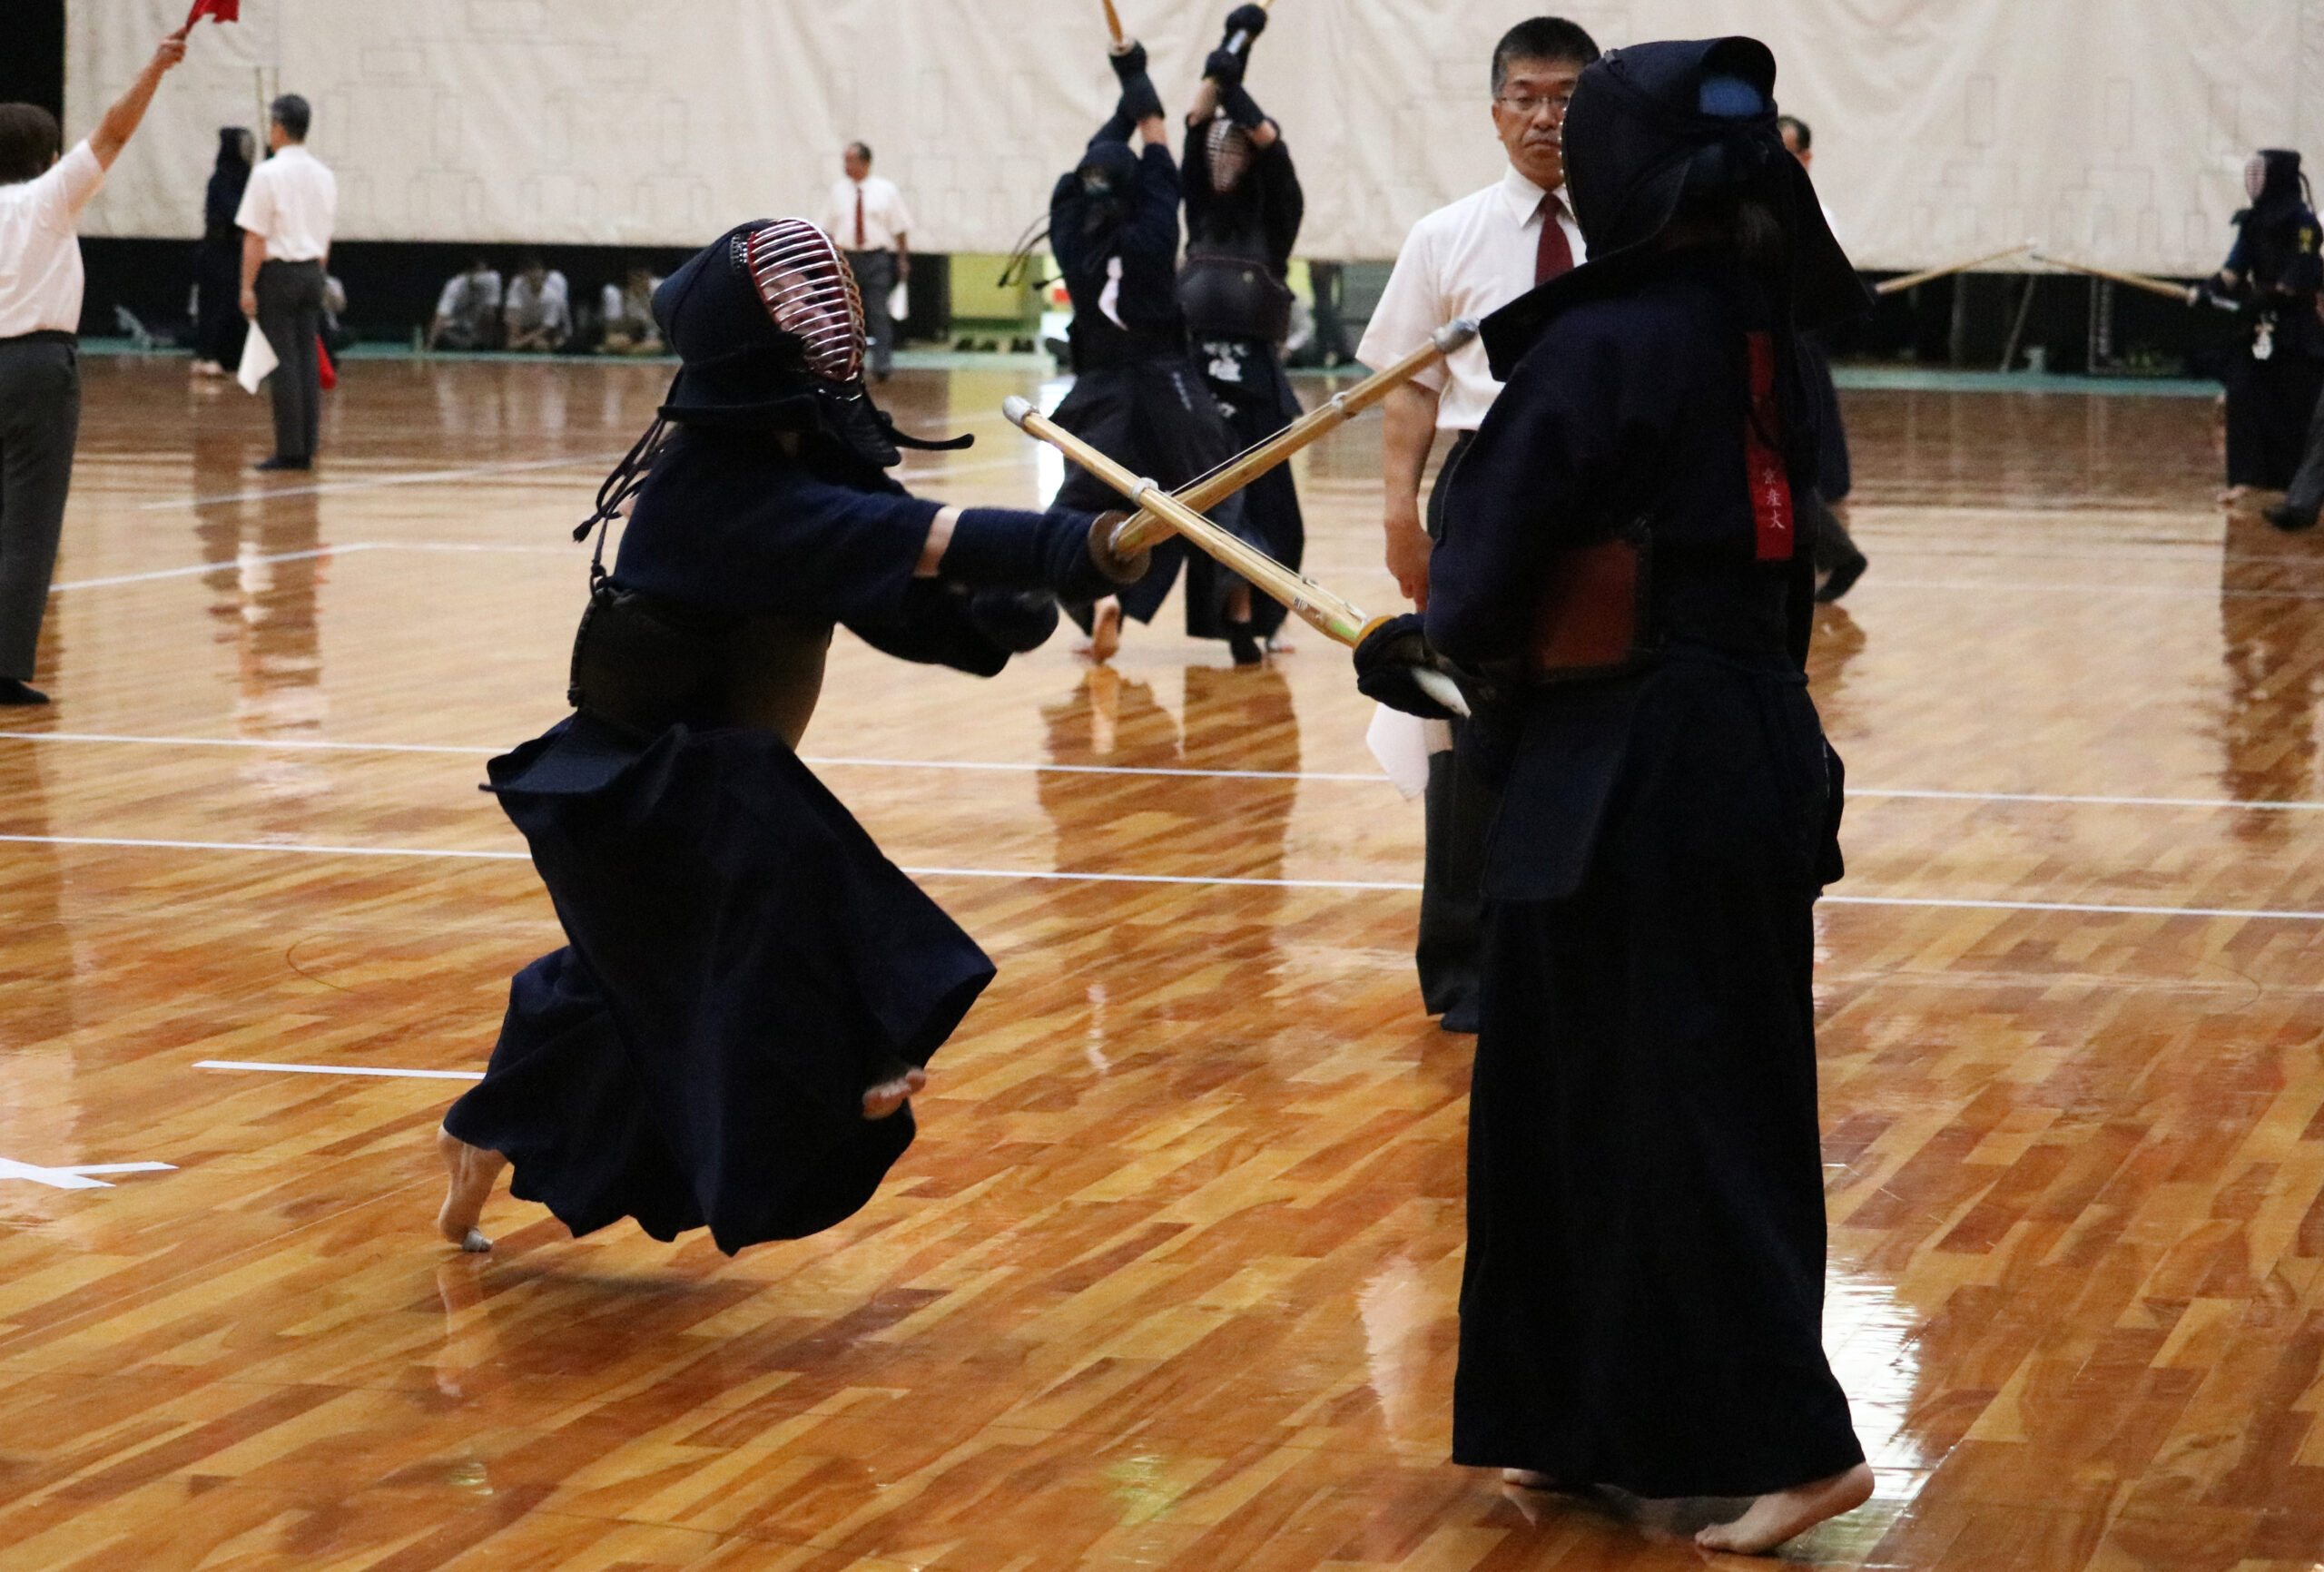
pixel 1245 644
pixel 1460 1018
pixel 13 691
pixel 1844 576
pixel 2288 518
pixel 280 461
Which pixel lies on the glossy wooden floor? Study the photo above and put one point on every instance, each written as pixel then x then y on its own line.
pixel 1169 1280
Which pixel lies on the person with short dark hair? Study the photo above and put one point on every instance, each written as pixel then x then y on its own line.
pixel 1641 1307
pixel 219 328
pixel 869 221
pixel 1467 259
pixel 539 314
pixel 41 197
pixel 286 218
pixel 468 309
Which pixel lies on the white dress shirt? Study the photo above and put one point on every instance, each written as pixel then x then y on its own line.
pixel 1467 260
pixel 885 221
pixel 549 307
pixel 291 200
pixel 40 255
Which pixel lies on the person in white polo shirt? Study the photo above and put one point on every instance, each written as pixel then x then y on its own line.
pixel 41 199
pixel 1468 260
pixel 868 220
pixel 286 218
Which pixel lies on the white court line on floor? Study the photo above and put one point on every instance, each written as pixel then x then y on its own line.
pixel 1983 586
pixel 1229 880
pixel 76 1177
pixel 234 565
pixel 1014 767
pixel 374 482
pixel 338 1070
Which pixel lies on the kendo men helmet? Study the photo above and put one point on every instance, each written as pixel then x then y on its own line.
pixel 768 324
pixel 1108 174
pixel 1229 149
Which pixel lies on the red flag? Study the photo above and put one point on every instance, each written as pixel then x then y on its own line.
pixel 328 373
pixel 224 10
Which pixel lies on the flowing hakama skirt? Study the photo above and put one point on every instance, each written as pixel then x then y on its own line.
pixel 1254 398
pixel 1156 418
pixel 743 963
pixel 1642 1298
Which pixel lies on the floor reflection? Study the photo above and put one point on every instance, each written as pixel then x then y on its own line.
pixel 2272 647
pixel 40 1105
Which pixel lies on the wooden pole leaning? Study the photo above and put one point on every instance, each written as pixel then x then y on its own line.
pixel 1149 525
pixel 1336 618
pixel 1896 286
pixel 2152 286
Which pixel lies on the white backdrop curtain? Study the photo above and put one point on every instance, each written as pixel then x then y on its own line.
pixel 2110 130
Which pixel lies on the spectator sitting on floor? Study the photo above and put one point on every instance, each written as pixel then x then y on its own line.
pixel 629 316
pixel 538 315
pixel 468 313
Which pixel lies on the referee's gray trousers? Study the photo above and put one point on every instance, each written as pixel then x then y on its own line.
pixel 291 315
pixel 40 418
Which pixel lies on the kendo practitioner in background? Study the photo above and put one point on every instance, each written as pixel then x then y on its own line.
pixel 750 990
pixel 1243 205
pixel 2271 276
pixel 1621 588
pixel 1114 230
pixel 219 328
pixel 1839 561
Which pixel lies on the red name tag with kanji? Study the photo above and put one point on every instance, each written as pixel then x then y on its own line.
pixel 1763 462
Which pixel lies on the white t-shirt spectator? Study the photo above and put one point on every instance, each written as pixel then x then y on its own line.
pixel 884 217
pixel 471 301
pixel 1467 260
pixel 294 200
pixel 40 255
pixel 551 305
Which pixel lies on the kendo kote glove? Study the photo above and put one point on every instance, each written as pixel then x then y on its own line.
pixel 1015 620
pixel 1239 107
pixel 1225 67
pixel 1250 19
pixel 1139 99
pixel 1066 552
pixel 1384 663
pixel 1127 63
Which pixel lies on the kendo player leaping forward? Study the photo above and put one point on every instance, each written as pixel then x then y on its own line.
pixel 1114 230
pixel 1243 205
pixel 1622 578
pixel 750 990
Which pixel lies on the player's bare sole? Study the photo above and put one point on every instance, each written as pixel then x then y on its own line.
pixel 469 1172
pixel 1782 1514
pixel 885 1098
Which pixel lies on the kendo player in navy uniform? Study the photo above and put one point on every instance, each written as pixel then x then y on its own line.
pixel 750 990
pixel 1243 205
pixel 1114 229
pixel 1622 586
pixel 2272 276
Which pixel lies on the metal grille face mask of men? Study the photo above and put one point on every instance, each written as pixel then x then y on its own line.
pixel 809 291
pixel 1230 147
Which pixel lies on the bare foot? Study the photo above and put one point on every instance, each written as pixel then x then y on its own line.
pixel 1104 630
pixel 471 1171
pixel 1774 1518
pixel 885 1098
pixel 1528 1480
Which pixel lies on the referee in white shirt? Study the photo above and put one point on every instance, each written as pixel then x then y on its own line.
pixel 1468 260
pixel 41 199
pixel 867 222
pixel 286 219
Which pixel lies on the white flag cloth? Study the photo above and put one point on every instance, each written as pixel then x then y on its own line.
pixel 900 301
pixel 258 359
pixel 1402 744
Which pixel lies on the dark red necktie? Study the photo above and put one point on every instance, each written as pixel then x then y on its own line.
pixel 1554 254
pixel 859 218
